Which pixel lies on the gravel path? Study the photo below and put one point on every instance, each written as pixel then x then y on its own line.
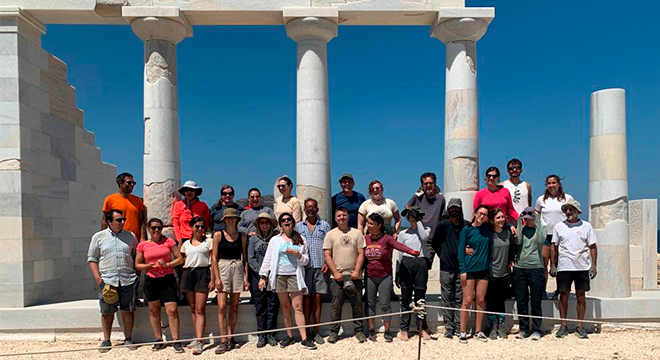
pixel 610 344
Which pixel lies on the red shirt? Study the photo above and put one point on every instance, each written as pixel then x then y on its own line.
pixel 378 254
pixel 153 252
pixel 182 213
pixel 501 198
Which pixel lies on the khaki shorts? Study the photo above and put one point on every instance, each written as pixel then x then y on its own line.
pixel 286 283
pixel 231 275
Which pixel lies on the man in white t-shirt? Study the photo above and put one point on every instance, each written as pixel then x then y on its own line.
pixel 521 191
pixel 574 254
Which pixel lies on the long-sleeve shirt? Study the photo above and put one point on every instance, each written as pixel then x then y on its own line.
pixel 530 244
pixel 114 254
pixel 248 216
pixel 446 243
pixel 501 198
pixel 256 251
pixel 183 212
pixel 291 206
pixel 416 239
pixel 271 262
pixel 479 240
pixel 378 255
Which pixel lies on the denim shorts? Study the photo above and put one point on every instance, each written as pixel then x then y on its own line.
pixel 548 240
pixel 127 299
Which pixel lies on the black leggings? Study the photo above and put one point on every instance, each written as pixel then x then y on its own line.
pixel 498 289
pixel 413 276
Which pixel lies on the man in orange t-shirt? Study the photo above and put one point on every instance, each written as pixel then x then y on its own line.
pixel 132 206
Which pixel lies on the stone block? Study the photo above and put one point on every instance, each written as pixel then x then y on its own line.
pixel 35 54
pixel 43 270
pixel 9 112
pixel 61 229
pixel 68 170
pixel 80 242
pixel 9 66
pixel 50 166
pixel 84 135
pixel 636 284
pixel 30 117
pixel 66 247
pixel 57 128
pixel 11 182
pixel 636 268
pixel 57 67
pixel 57 87
pixel 635 253
pixel 12 272
pixel 41 185
pixel 29 72
pixel 42 227
pixel 41 142
pixel 10 205
pixel 11 229
pixel 63 148
pixel 11 296
pixel 8 44
pixel 62 269
pixel 87 150
pixel 9 89
pixel 60 188
pixel 33 249
pixel 10 249
pixel 33 96
pixel 10 159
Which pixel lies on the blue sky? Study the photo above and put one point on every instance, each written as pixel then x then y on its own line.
pixel 537 65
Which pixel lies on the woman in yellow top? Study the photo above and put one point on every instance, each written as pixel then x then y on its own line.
pixel 287 203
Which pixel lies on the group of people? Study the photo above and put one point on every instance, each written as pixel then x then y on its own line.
pixel 289 258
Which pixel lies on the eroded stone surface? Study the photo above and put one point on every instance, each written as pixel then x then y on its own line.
pixel 603 213
pixel 461 114
pixel 10 164
pixel 465 173
pixel 159 198
pixel 318 194
pixel 156 68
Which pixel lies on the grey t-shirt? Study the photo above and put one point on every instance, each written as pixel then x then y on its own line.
pixel 501 255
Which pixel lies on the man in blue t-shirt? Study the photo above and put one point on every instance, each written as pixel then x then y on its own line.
pixel 349 199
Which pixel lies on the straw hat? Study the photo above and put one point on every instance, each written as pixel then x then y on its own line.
pixel 264 215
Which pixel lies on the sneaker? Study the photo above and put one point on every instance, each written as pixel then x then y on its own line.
pixel 286 342
pixel 449 333
pixel 191 345
pixel 522 335
pixel 233 344
pixel 272 341
pixel 319 339
pixel 536 336
pixel 361 338
pixel 130 343
pixel 198 348
pixel 493 333
pixel 262 341
pixel 308 344
pixel 462 338
pixel 481 336
pixel 372 335
pixel 581 332
pixel 105 346
pixel 388 336
pixel 333 338
pixel 221 349
pixel 178 347
pixel 563 331
pixel 158 347
pixel 501 332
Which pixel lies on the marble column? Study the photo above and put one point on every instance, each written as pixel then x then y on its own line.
pixel 608 192
pixel 460 32
pixel 312 130
pixel 162 151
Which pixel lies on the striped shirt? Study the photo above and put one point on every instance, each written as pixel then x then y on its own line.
pixel 314 241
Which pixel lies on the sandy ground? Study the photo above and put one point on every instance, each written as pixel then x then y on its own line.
pixel 609 344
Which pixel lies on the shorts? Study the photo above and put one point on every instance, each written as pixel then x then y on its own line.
pixel 232 275
pixel 548 240
pixel 566 278
pixel 478 275
pixel 286 283
pixel 196 279
pixel 317 281
pixel 162 288
pixel 127 299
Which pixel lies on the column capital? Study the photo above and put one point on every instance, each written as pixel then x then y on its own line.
pixel 17 20
pixel 456 24
pixel 311 24
pixel 159 23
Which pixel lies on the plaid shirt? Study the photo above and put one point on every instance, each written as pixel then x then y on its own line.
pixel 314 241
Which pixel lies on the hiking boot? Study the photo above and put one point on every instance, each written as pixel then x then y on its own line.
pixel 333 338
pixel 221 349
pixel 388 336
pixel 178 347
pixel 262 341
pixel 581 332
pixel 158 347
pixel 562 332
pixel 361 338
pixel 462 338
pixel 372 335
pixel 493 333
pixel 130 343
pixel 319 339
pixel 449 333
pixel 481 336
pixel 286 342
pixel 272 341
pixel 536 336
pixel 198 348
pixel 501 332
pixel 308 344
pixel 105 346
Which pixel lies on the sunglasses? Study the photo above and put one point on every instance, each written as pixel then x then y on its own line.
pixel 429 183
pixel 527 213
pixel 482 214
pixel 120 220
pixel 132 183
pixel 286 220
pixel 199 227
pixel 156 228
pixel 188 190
pixel 515 168
pixel 281 186
pixel 228 193
pixel 491 176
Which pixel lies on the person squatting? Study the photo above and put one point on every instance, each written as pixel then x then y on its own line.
pixel 289 259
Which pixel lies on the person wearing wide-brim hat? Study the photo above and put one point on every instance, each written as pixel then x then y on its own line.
pixel 229 266
pixel 187 208
pixel 266 303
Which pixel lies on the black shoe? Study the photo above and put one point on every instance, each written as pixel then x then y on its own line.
pixel 105 346
pixel 333 338
pixel 272 341
pixel 308 344
pixel 130 343
pixel 372 335
pixel 286 342
pixel 158 347
pixel 262 341
pixel 178 347
pixel 449 333
pixel 388 336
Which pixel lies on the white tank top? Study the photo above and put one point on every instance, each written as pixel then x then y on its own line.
pixel 519 194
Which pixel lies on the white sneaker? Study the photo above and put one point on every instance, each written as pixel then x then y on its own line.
pixel 536 336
